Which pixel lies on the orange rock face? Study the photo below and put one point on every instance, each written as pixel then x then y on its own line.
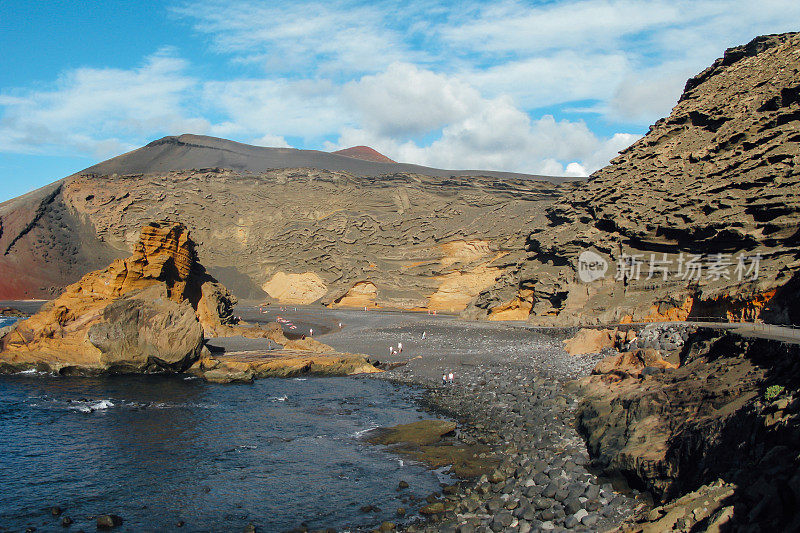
pixel 158 301
pixel 632 363
pixel 590 341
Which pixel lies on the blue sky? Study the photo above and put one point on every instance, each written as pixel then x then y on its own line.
pixel 555 87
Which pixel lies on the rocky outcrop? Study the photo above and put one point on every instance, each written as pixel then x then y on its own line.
pixel 296 289
pixel 634 363
pixel 147 313
pixel 298 358
pixel 362 294
pixel 588 341
pixel 718 178
pixel 729 412
pixel 433 442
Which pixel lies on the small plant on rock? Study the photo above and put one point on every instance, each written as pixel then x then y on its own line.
pixel 773 391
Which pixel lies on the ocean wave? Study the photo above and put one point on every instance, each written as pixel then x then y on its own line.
pixel 32 372
pixel 91 406
pixel 279 398
pixel 360 433
pixel 85 405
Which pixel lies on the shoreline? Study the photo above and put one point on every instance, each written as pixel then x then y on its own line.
pixel 508 394
pixel 545 478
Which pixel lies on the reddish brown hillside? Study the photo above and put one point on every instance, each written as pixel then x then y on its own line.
pixel 364 153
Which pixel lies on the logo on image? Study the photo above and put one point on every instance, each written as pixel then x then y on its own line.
pixel 591 266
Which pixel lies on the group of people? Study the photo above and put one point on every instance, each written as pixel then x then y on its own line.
pixel 395 351
pixel 447 378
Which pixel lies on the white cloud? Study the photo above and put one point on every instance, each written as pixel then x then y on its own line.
pixel 99 111
pixel 518 28
pixel 271 141
pixel 407 100
pixel 472 84
pixel 334 37
pixel 304 108
pixel 645 99
pixel 556 78
pixel 575 169
pixel 489 133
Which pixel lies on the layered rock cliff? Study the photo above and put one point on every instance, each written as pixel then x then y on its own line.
pixel 716 183
pixel 294 235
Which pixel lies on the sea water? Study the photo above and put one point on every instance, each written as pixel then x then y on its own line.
pixel 7 321
pixel 160 450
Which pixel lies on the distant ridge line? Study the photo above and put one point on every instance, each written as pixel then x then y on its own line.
pixel 189 151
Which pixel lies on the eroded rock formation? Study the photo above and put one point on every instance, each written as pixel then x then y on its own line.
pixel 148 312
pixel 720 175
pixel 729 412
pixel 297 235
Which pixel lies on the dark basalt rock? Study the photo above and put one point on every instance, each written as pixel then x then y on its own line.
pixel 730 412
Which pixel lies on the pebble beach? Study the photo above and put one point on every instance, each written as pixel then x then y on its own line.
pixel 511 392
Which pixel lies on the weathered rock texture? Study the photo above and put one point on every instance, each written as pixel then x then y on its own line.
pixel 729 412
pixel 298 235
pixel 303 358
pixel 720 175
pixel 145 313
pixel 588 341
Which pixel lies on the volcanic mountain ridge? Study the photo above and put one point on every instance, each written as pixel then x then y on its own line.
pixel 296 225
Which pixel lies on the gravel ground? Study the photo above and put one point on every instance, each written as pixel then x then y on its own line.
pixel 508 391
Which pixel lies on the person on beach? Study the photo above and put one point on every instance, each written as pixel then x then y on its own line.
pixel 310 332
pixel 399 347
pixel 444 379
pixel 450 377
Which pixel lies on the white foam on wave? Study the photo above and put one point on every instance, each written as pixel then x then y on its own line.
pixel 34 372
pixel 360 433
pixel 279 398
pixel 91 406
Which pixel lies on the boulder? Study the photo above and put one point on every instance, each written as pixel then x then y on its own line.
pixel 108 521
pixel 632 363
pixel 144 313
pixel 590 341
pixel 145 331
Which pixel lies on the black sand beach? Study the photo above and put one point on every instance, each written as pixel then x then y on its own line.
pixel 508 392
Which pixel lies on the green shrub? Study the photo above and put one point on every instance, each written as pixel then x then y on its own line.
pixel 773 391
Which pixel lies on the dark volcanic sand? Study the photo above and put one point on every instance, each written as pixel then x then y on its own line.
pixel 508 392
